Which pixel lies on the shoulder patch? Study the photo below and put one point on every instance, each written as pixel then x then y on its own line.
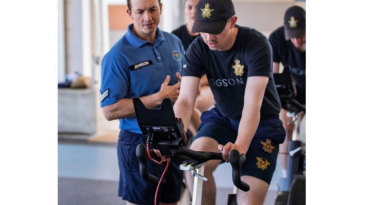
pixel 140 65
pixel 104 95
pixel 175 55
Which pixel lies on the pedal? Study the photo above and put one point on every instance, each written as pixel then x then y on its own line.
pixel 200 176
pixel 295 151
pixel 189 167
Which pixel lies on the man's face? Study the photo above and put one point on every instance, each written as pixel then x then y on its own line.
pixel 190 8
pixel 299 43
pixel 146 16
pixel 219 42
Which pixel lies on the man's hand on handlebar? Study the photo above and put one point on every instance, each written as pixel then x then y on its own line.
pixel 225 149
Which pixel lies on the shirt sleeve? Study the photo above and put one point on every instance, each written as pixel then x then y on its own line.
pixel 115 80
pixel 260 58
pixel 194 64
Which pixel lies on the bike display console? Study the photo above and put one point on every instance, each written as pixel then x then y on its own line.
pixel 164 131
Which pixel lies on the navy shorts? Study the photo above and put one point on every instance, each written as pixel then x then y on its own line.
pixel 132 187
pixel 263 150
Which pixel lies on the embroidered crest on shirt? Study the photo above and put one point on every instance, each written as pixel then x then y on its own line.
pixel 293 23
pixel 267 146
pixel 104 95
pixel 175 55
pixel 238 69
pixel 262 163
pixel 206 11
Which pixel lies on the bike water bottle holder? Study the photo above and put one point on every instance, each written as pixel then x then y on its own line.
pixel 164 131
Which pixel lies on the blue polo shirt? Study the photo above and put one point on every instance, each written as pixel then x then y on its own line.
pixel 136 68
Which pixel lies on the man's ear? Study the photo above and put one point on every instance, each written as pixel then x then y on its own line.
pixel 233 21
pixel 161 5
pixel 129 12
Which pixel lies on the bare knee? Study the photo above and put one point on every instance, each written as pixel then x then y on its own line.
pixel 288 124
pixel 207 144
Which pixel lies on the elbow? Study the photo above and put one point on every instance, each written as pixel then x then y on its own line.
pixel 108 117
pixel 108 114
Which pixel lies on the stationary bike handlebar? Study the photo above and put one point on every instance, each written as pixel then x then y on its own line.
pixel 236 162
pixel 297 104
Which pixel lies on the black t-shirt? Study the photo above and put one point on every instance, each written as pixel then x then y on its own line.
pixel 227 71
pixel 184 36
pixel 285 52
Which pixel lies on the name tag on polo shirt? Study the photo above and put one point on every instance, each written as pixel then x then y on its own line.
pixel 140 65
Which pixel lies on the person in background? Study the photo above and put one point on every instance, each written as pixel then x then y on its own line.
pixel 204 99
pixel 289 48
pixel 142 64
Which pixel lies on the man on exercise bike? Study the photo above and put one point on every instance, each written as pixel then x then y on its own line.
pixel 289 48
pixel 238 64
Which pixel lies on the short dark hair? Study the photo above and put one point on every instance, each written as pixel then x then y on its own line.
pixel 129 4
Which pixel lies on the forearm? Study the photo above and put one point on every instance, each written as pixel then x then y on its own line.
pixel 185 103
pixel 183 109
pixel 276 67
pixel 248 125
pixel 205 99
pixel 124 108
pixel 254 94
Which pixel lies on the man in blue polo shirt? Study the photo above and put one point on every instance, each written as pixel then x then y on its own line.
pixel 142 64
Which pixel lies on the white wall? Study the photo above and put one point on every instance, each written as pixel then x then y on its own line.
pixel 61 41
pixel 78 37
pixel 262 15
pixel 172 15
pixel 171 18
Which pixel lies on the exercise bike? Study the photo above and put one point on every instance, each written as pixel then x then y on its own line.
pixel 165 133
pixel 292 190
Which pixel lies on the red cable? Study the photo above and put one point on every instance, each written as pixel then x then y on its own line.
pixel 150 157
pixel 162 176
pixel 185 136
pixel 184 133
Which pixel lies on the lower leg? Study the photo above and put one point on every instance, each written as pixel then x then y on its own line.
pixel 283 153
pixel 256 194
pixel 288 125
pixel 195 121
pixel 209 189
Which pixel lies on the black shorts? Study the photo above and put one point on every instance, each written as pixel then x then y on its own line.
pixel 263 151
pixel 132 187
